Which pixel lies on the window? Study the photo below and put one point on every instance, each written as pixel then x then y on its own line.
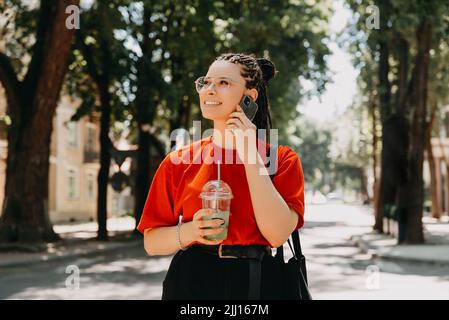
pixel 90 143
pixel 115 202
pixel 72 184
pixel 71 134
pixel 90 186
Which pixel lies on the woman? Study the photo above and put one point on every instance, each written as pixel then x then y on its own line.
pixel 264 212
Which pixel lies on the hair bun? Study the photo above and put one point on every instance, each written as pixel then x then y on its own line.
pixel 268 69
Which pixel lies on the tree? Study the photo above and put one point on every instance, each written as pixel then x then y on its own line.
pixel 295 35
pixel 409 30
pixel 367 99
pixel 31 103
pixel 148 27
pixel 180 40
pixel 434 195
pixel 313 145
pixel 438 98
pixel 352 148
pixel 101 59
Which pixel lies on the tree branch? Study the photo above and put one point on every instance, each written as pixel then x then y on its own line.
pixel 158 145
pixel 88 55
pixel 144 44
pixel 402 52
pixel 11 84
pixel 44 26
pixel 172 8
pixel 51 36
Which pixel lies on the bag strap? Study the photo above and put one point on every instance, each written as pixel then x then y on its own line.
pixel 296 249
pixel 297 243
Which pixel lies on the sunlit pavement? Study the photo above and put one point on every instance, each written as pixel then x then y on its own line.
pixel 118 275
pixel 336 268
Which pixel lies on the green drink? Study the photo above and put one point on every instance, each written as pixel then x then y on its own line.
pixel 217 195
pixel 223 216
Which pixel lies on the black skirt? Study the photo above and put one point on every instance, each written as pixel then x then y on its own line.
pixel 197 275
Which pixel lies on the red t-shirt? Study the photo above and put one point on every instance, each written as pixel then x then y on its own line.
pixel 178 181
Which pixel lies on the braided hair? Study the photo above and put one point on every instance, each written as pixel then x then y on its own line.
pixel 257 72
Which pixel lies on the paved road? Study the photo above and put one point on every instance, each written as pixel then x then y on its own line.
pixel 119 275
pixel 337 269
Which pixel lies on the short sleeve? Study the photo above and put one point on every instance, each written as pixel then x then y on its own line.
pixel 159 206
pixel 289 181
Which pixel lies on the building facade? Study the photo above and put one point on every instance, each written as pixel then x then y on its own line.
pixel 74 166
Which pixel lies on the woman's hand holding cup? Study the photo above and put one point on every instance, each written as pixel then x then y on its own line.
pixel 199 228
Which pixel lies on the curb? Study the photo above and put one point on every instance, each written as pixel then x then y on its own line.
pixel 376 253
pixel 387 257
pixel 70 255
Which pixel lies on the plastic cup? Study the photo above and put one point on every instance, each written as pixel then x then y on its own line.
pixel 217 195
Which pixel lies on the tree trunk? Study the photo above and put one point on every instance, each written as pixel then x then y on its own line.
pixel 142 173
pixel 394 142
pixel 145 169
pixel 145 115
pixel 105 162
pixel 435 189
pixel 395 132
pixel 148 77
pixel 177 122
pixel 187 115
pixel 447 188
pixel 31 106
pixel 388 181
pixel 364 186
pixel 378 224
pixel 25 215
pixel 411 194
pixel 446 163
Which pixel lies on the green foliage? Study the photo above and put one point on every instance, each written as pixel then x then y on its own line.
pixel 399 20
pixel 313 145
pixel 18 31
pixel 409 87
pixel 98 59
pixel 294 35
pixel 156 49
pixel 354 148
pixel 186 36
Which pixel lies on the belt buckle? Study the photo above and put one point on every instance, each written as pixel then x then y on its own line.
pixel 220 253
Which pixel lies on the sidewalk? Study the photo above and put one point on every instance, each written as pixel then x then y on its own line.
pixel 78 239
pixel 435 250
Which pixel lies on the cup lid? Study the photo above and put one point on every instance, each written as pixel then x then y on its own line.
pixel 216 189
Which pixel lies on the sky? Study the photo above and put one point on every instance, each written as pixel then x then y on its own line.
pixel 339 94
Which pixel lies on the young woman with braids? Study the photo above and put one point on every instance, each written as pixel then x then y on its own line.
pixel 264 211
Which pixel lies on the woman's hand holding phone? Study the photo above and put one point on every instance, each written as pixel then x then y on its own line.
pixel 241 126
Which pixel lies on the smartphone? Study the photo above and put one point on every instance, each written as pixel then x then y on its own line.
pixel 249 107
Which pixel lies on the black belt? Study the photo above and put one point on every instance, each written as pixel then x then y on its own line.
pixel 254 253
